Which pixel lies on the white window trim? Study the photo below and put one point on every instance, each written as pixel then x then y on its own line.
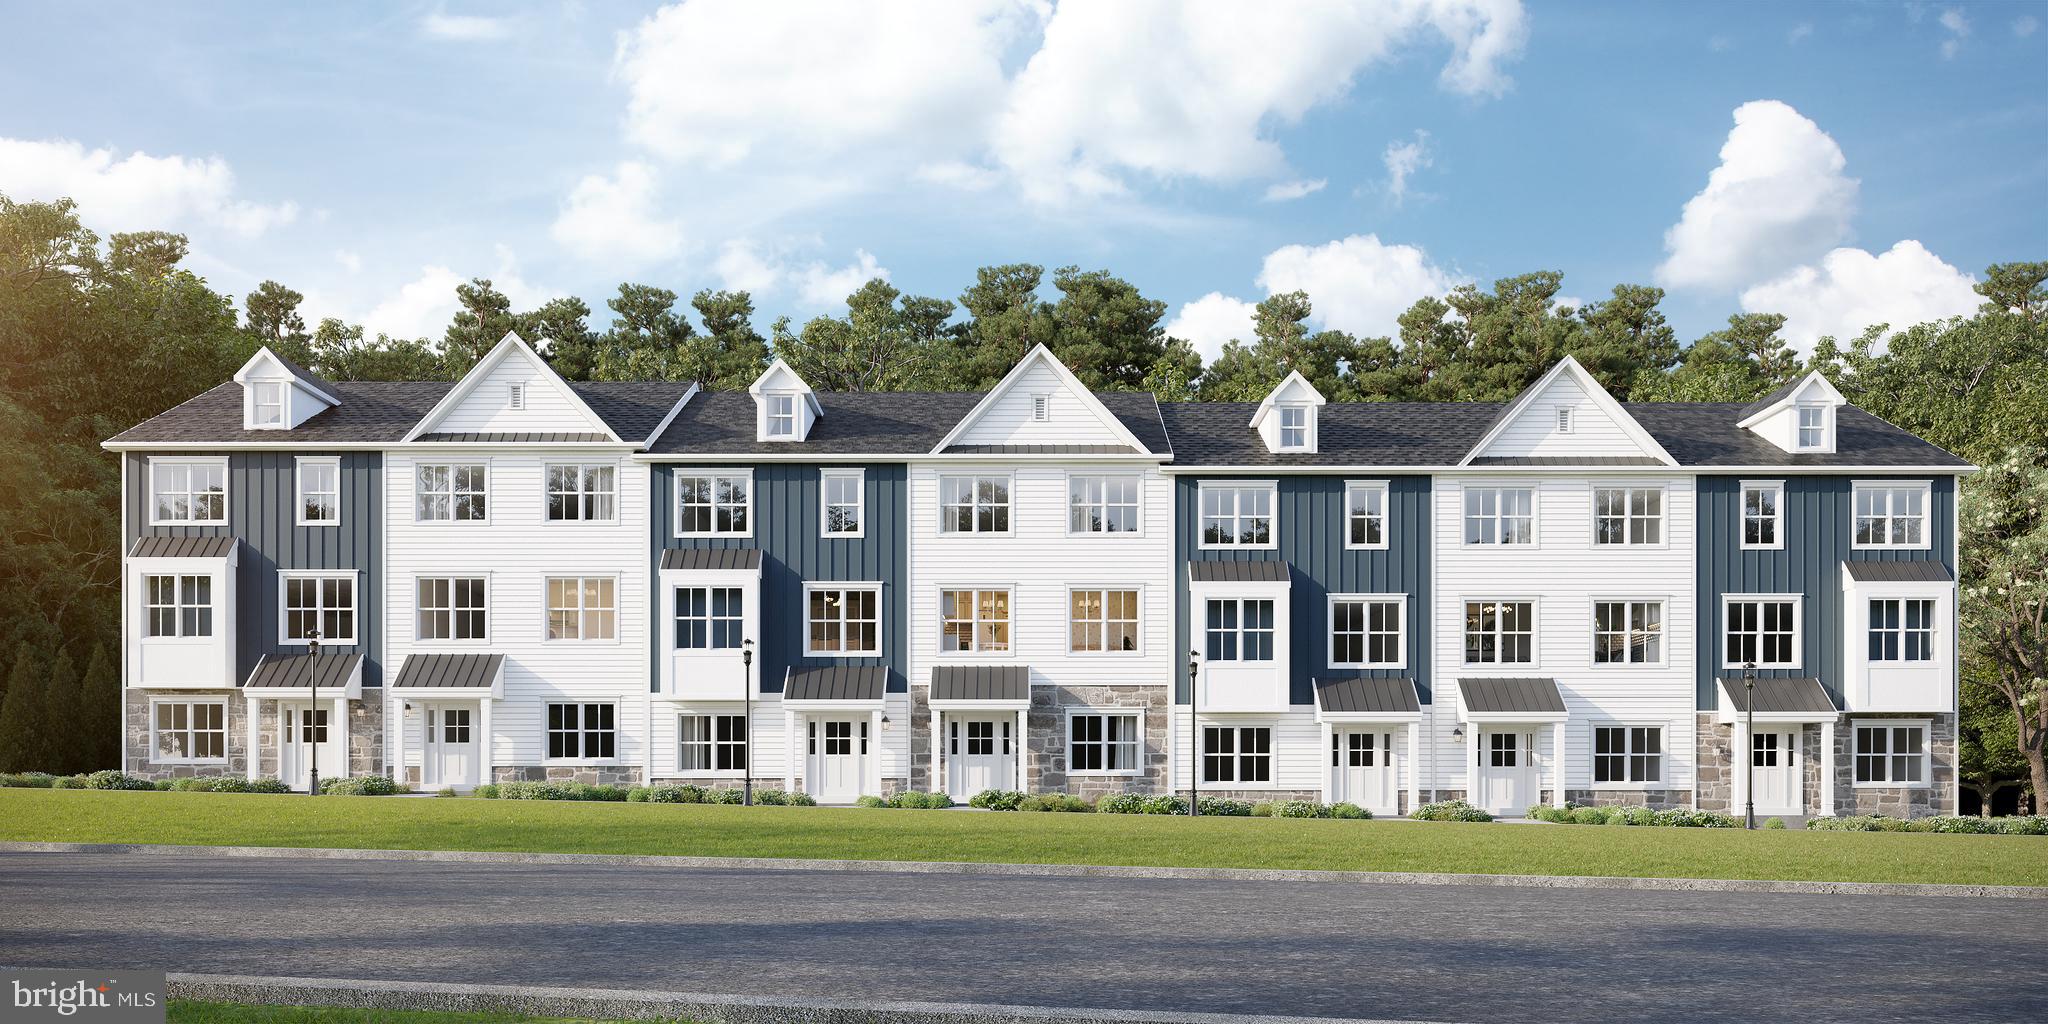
pixel 1593 632
pixel 355 606
pixel 711 773
pixel 1926 727
pixel 181 638
pixel 1535 634
pixel 1068 642
pixel 1827 428
pixel 1010 487
pixel 618 731
pixel 284 405
pixel 1535 514
pixel 299 489
pixel 1137 478
pixel 1272 727
pixel 577 641
pixel 881 619
pixel 768 416
pixel 618 495
pixel 744 582
pixel 413 495
pixel 227 730
pixel 1663 758
pixel 1272 534
pixel 1198 612
pixel 1400 634
pixel 825 503
pixel 490 600
pixel 1386 514
pixel 977 652
pixel 1068 740
pixel 676 502
pixel 1778 527
pixel 1308 427
pixel 1663 516
pixel 1926 489
pixel 1798 628
pixel 226 488
pixel 1935 635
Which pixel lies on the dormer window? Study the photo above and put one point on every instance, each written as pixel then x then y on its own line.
pixel 1564 420
pixel 1813 427
pixel 1293 427
pixel 516 395
pixel 782 416
pixel 266 405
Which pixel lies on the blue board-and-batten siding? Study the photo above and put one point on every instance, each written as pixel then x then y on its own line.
pixel 1818 518
pixel 263 514
pixel 1311 521
pixel 787 515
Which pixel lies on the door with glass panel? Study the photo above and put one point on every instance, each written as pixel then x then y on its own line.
pixel 451 748
pixel 301 727
pixel 1362 767
pixel 1774 756
pixel 981 753
pixel 837 753
pixel 1506 772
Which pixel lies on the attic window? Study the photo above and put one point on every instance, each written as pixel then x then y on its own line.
pixel 1293 426
pixel 1813 427
pixel 266 404
pixel 781 415
pixel 1041 408
pixel 516 398
pixel 1564 420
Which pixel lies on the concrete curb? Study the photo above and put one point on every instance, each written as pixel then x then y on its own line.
pixel 625 1004
pixel 2015 892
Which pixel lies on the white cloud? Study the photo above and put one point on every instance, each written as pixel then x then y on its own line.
pixel 2024 25
pixel 1958 29
pixel 1284 191
pixel 422 307
pixel 743 265
pixel 742 268
pixel 824 286
pixel 958 174
pixel 1402 160
pixel 465 28
pixel 1799 32
pixel 349 260
pixel 616 219
pixel 1210 321
pixel 136 192
pixel 1357 284
pixel 1851 289
pixel 1777 200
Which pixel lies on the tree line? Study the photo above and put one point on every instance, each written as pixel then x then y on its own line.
pixel 96 335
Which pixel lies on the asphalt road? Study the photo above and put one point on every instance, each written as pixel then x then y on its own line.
pixel 1433 953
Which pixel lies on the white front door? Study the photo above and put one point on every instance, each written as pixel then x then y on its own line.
pixel 981 754
pixel 450 758
pixel 1507 772
pixel 301 726
pixel 1362 765
pixel 1779 784
pixel 837 760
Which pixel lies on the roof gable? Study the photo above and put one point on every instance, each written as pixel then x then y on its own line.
pixel 1008 414
pixel 1814 388
pixel 481 402
pixel 268 365
pixel 1295 390
pixel 1534 425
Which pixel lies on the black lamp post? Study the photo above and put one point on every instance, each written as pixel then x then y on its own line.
pixel 747 751
pixel 1194 736
pixel 306 725
pixel 1749 758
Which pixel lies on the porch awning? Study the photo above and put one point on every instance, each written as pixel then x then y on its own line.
pixel 452 675
pixel 711 560
pixel 182 547
pixel 1511 700
pixel 987 686
pixel 1265 571
pixel 293 676
pixel 849 685
pixel 1356 698
pixel 1921 571
pixel 1778 699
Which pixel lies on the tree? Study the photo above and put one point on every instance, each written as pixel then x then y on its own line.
pixel 1173 375
pixel 65 746
pixel 562 334
pixel 731 354
pixel 271 316
pixel 2015 288
pixel 1988 757
pixel 878 346
pixel 2004 524
pixel 1006 318
pixel 99 720
pixel 1283 345
pixel 646 339
pixel 23 724
pixel 483 321
pixel 1105 330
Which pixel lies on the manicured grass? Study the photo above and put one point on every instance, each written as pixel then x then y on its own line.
pixel 185 1011
pixel 1016 837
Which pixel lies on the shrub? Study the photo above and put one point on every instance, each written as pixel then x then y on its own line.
pixel 2025 825
pixel 675 795
pixel 996 799
pixel 269 785
pixel 1953 824
pixel 27 780
pixel 1300 809
pixel 162 785
pixel 871 801
pixel 1774 824
pixel 445 791
pixel 362 785
pixel 802 800
pixel 1121 803
pixel 769 798
pixel 487 791
pixel 112 779
pixel 1262 809
pixel 911 799
pixel 1349 811
pixel 68 782
pixel 637 795
pixel 1588 815
pixel 1682 817
pixel 1057 802
pixel 1219 807
pixel 1165 805
pixel 1450 810
pixel 553 791
pixel 1639 815
pixel 1860 823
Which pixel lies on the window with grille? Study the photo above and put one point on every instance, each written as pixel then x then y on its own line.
pixel 583 731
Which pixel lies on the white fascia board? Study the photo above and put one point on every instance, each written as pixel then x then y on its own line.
pixel 1796 396
pixel 1067 379
pixel 760 384
pixel 673 412
pixel 979 705
pixel 510 344
pixel 264 355
pixel 1357 469
pixel 1293 377
pixel 1368 717
pixel 1593 390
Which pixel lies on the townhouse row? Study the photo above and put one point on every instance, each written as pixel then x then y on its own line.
pixel 1044 588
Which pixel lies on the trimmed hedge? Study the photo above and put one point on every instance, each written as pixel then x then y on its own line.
pixel 871 801
pixel 1677 817
pixel 688 794
pixel 551 791
pixel 2024 825
pixel 27 780
pixel 997 800
pixel 1056 802
pixel 111 779
pixel 911 799
pixel 1349 811
pixel 361 785
pixel 1450 810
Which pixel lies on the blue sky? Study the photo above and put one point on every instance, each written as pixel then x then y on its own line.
pixel 1842 163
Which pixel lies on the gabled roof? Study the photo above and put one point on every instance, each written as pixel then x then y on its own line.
pixel 852 423
pixel 1348 434
pixel 512 346
pixel 635 409
pixel 1787 392
pixel 779 376
pixel 371 412
pixel 306 378
pixel 1042 356
pixel 1298 390
pixel 1569 367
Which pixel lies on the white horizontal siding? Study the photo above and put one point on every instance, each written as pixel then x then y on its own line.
pixel 487 406
pixel 1534 430
pixel 1073 419
pixel 772 740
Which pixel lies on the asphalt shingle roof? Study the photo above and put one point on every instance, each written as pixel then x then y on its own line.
pixel 870 423
pixel 370 412
pixel 1704 435
pixel 632 408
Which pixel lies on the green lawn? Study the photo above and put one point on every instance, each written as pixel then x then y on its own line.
pixel 697 830
pixel 186 1011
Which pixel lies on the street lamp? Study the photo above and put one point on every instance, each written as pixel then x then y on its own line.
pixel 1749 758
pixel 312 717
pixel 1194 736
pixel 747 751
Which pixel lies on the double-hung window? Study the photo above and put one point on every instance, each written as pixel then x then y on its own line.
pixel 974 620
pixel 845 620
pixel 1102 620
pixel 583 493
pixel 1365 515
pixel 782 416
pixel 178 605
pixel 453 608
pixel 1102 504
pixel 1365 630
pixel 1107 742
pixel 1813 427
pixel 1628 754
pixel 1901 630
pixel 711 743
pixel 1237 515
pixel 1293 428
pixel 189 731
pixel 1889 516
pixel 188 491
pixel 583 608
pixel 266 404
pixel 840 495
pixel 1628 515
pixel 709 618
pixel 1891 755
pixel 1239 629
pixel 1500 515
pixel 1628 632
pixel 1500 632
pixel 1763 521
pixel 1242 753
pixel 714 504
pixel 319 601
pixel 319 491
pixel 583 731
pixel 1762 631
pixel 451 492
pixel 974 504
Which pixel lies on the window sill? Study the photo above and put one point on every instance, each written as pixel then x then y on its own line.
pixel 190 761
pixel 1891 785
pixel 1105 773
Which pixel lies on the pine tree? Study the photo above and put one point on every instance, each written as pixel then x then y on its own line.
pixel 21 715
pixel 100 711
pixel 64 740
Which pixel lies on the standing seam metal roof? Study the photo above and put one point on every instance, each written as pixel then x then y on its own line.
pixel 1512 696
pixel 837 682
pixel 294 670
pixel 1780 695
pixel 449 671
pixel 981 682
pixel 1362 695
